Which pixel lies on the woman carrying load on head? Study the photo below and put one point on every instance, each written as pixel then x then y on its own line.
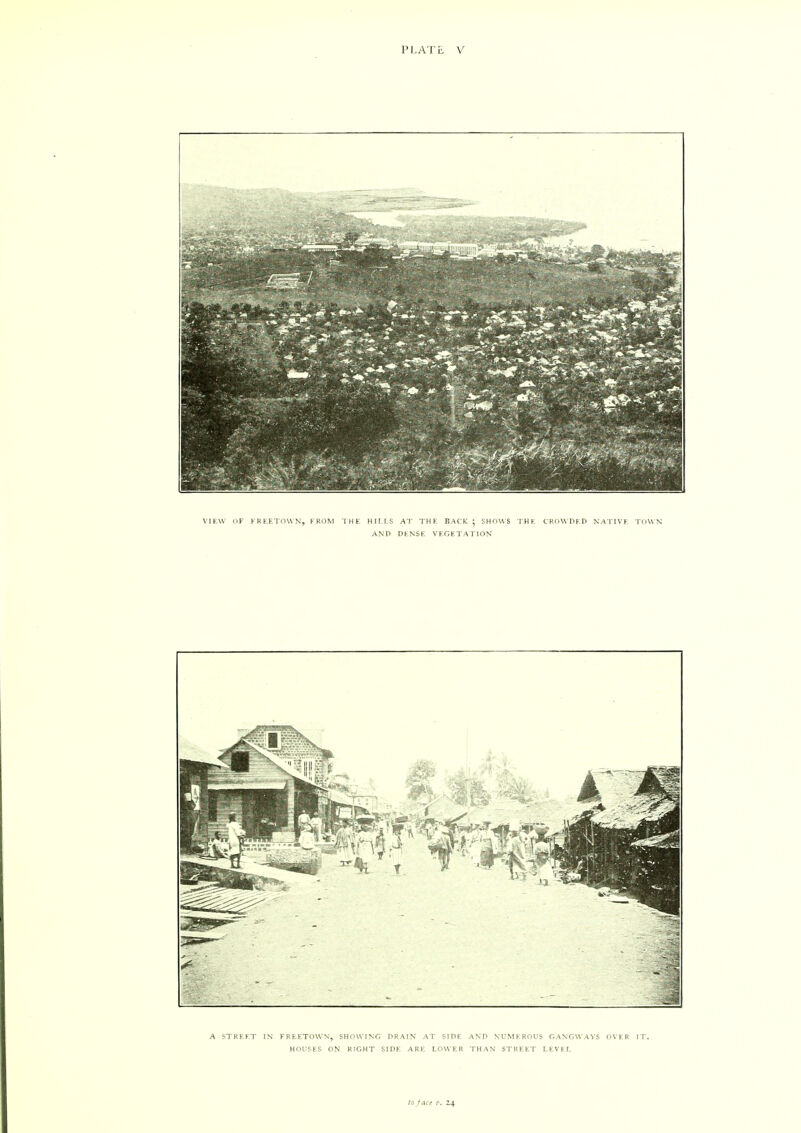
pixel 518 865
pixel 542 856
pixel 344 844
pixel 489 847
pixel 365 849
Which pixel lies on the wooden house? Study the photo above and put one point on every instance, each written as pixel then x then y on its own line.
pixel 193 771
pixel 654 808
pixel 269 777
pixel 603 789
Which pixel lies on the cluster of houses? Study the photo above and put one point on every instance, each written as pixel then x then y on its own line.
pixel 623 830
pixel 405 249
pixel 268 777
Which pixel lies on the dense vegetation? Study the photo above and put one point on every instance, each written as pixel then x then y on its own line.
pixel 582 391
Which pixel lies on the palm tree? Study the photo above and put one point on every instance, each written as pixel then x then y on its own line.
pixel 487 769
pixel 506 776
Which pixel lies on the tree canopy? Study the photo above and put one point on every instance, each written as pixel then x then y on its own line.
pixel 419 778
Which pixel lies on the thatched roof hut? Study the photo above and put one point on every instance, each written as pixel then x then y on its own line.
pixel 606 788
pixel 655 804
pixel 443 809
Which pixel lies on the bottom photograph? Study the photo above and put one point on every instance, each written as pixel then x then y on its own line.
pixel 433 828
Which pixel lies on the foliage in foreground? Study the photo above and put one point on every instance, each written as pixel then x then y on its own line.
pixel 536 399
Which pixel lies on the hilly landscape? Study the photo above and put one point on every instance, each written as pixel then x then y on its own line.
pixel 281 212
pixel 276 210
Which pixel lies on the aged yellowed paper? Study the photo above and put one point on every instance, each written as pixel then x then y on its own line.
pixel 110 572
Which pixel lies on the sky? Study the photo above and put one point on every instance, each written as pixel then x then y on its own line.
pixel 554 714
pixel 627 188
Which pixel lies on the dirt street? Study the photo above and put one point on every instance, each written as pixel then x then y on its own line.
pixel 465 937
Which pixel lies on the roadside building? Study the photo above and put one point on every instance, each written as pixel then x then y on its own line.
pixel 271 775
pixel 343 806
pixel 655 808
pixel 656 870
pixel 442 809
pixel 368 800
pixel 193 773
pixel 602 790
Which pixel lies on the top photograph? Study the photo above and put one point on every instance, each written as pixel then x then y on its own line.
pixel 429 312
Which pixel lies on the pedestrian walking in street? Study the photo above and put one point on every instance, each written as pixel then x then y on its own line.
pixel 517 856
pixel 344 844
pixel 489 847
pixel 235 836
pixel 365 849
pixel 396 849
pixel 379 844
pixel 475 846
pixel 445 848
pixel 529 841
pixel 542 856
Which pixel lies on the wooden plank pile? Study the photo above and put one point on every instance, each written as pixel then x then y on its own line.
pixel 209 902
pixel 208 897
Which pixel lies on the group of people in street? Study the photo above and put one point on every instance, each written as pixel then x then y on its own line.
pixel 526 853
pixel 366 843
pixel 363 843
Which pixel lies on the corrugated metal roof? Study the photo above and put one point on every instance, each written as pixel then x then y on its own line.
pixel 194 754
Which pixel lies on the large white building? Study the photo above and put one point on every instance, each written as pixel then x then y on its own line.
pixel 466 251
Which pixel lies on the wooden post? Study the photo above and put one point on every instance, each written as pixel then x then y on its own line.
pixel 290 805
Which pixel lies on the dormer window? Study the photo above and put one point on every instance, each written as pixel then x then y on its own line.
pixel 240 761
pixel 273 741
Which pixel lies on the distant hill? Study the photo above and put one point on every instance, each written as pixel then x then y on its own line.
pixel 318 215
pixel 275 209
